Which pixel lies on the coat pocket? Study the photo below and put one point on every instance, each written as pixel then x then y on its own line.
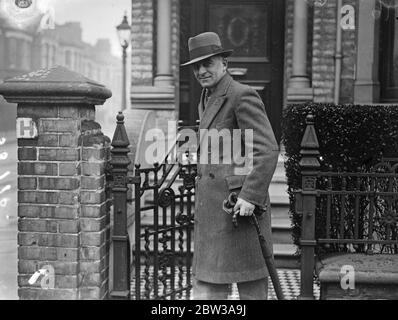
pixel 235 182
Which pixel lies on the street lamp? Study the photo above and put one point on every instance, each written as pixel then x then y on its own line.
pixel 124 34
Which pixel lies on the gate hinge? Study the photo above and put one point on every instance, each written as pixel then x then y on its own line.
pixel 134 180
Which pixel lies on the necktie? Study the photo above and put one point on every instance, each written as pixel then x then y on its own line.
pixel 206 98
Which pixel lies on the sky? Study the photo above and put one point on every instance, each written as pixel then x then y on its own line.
pixel 98 18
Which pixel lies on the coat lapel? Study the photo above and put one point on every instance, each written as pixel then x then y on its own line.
pixel 215 103
pixel 201 104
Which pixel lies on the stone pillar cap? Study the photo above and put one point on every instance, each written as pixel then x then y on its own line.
pixel 57 85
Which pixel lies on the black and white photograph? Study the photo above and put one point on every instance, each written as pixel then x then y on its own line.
pixel 205 151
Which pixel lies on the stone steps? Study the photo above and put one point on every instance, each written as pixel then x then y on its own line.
pixel 278 187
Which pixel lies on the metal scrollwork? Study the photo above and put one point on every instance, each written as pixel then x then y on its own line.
pixel 166 240
pixel 389 218
pixel 182 218
pixel 188 179
pixel 148 286
pixel 166 197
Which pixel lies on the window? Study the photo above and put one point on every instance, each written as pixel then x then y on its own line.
pixel 2 53
pixel 43 55
pixel 25 55
pixel 46 55
pixel 68 59
pixel 53 55
pixel 89 70
pixel 388 71
pixel 12 53
pixel 76 62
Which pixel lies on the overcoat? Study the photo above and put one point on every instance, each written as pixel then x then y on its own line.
pixel 223 253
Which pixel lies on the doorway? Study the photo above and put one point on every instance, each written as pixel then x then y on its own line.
pixel 255 30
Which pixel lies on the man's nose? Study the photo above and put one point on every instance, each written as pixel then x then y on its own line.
pixel 202 69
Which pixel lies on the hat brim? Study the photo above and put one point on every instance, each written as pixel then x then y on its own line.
pixel 225 53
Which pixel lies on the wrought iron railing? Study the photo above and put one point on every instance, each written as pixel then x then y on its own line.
pixel 364 207
pixel 163 217
pixel 344 211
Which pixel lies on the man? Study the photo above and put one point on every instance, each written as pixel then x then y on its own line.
pixel 223 254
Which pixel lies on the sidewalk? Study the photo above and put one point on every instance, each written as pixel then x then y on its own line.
pixel 8 220
pixel 289 278
pixel 8 262
pixel 8 183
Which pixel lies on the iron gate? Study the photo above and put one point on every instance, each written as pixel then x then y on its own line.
pixel 163 216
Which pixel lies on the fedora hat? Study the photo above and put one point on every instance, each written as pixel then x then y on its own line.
pixel 203 46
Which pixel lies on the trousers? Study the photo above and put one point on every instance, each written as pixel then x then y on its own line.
pixel 251 290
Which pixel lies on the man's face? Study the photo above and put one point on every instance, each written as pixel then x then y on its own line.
pixel 209 72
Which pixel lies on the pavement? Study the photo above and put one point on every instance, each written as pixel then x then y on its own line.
pixel 8 220
pixel 289 280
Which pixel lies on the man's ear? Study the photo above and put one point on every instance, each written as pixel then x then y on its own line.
pixel 225 63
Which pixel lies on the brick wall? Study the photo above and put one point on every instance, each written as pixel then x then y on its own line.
pixel 143 42
pixel 324 48
pixel 175 51
pixel 289 19
pixel 349 50
pixel 94 216
pixel 63 202
pixel 143 63
pixel 63 216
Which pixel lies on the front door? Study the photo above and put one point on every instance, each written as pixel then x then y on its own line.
pixel 255 30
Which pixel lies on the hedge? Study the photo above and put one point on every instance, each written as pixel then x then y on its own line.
pixel 351 138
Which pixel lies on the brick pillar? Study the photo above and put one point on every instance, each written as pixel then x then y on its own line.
pixel 62 204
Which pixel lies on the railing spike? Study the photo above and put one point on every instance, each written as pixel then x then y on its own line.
pixel 309 145
pixel 120 117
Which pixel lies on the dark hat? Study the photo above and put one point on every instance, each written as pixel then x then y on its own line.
pixel 203 46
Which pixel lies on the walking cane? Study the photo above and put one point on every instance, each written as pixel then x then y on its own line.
pixel 228 206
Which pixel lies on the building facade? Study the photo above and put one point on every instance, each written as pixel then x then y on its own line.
pixel 24 50
pixel 340 51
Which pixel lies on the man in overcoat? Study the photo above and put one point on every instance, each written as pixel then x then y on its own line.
pixel 224 254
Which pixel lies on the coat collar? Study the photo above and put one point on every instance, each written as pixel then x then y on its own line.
pixel 215 102
pixel 222 86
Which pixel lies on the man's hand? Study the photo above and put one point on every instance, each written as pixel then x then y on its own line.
pixel 245 208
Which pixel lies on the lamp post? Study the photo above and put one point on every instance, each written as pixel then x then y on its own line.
pixel 124 34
